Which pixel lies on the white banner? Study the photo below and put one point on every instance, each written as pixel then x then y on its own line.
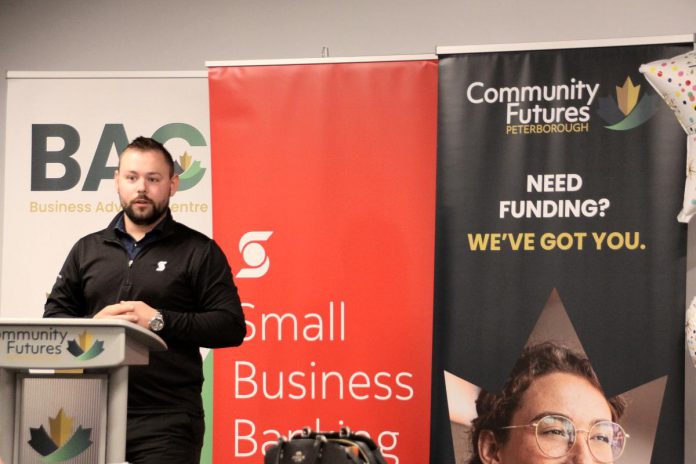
pixel 64 132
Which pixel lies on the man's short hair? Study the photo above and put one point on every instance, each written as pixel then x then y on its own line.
pixel 149 144
pixel 496 410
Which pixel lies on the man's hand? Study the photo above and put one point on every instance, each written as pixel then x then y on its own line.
pixel 133 311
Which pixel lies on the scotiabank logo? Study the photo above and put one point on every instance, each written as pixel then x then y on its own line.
pixel 64 142
pixel 254 254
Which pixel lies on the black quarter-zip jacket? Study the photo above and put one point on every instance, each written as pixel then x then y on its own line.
pixel 183 274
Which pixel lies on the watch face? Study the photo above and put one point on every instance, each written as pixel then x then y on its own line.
pixel 156 323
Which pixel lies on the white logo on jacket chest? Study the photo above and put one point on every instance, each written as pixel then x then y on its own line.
pixel 161 265
pixel 298 456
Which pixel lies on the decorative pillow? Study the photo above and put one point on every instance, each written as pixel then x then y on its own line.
pixel 689 205
pixel 675 80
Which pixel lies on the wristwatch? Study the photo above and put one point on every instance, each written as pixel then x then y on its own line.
pixel 156 323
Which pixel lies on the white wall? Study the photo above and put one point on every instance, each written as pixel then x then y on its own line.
pixel 73 35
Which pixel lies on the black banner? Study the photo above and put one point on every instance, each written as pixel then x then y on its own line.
pixel 560 175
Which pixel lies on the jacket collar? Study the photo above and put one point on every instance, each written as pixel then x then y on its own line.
pixel 166 226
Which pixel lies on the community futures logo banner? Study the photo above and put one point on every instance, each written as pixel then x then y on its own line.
pixel 573 208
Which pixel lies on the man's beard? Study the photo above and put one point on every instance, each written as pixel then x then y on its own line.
pixel 146 218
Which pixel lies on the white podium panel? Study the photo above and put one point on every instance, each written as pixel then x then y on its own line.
pixel 68 424
pixel 64 388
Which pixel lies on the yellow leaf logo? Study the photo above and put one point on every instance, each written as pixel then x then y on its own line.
pixel 185 161
pixel 61 428
pixel 627 96
pixel 85 340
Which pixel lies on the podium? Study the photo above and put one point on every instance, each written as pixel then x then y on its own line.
pixel 64 388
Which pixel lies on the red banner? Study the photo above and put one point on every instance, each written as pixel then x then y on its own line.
pixel 324 202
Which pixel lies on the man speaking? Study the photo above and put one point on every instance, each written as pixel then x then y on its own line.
pixel 148 269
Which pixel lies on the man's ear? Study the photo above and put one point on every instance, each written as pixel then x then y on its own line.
pixel 175 184
pixel 488 448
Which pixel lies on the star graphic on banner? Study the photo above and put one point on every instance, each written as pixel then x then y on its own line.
pixel 640 418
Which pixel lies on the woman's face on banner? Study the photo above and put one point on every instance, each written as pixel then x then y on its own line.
pixel 557 394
